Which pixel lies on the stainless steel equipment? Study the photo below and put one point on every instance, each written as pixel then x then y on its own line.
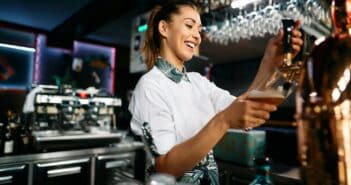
pixel 13 174
pixel 324 106
pixel 70 172
pixel 73 119
pixel 118 164
pixel 115 169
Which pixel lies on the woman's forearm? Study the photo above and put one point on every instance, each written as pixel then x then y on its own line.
pixel 184 156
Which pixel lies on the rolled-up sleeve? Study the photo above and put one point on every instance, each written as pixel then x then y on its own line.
pixel 149 104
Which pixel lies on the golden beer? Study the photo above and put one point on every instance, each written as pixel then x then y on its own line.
pixel 268 96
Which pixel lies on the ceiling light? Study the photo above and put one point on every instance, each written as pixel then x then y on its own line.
pixel 17 47
pixel 241 3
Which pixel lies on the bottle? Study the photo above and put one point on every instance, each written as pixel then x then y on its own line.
pixel 26 137
pixel 323 105
pixel 2 138
pixel 277 87
pixel 8 142
pixel 14 129
pixel 263 172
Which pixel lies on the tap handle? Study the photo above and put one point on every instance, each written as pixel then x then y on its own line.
pixel 288 26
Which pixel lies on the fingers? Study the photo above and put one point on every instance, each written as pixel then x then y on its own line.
pixel 296 40
pixel 252 122
pixel 280 35
pixel 296 37
pixel 256 113
pixel 243 113
pixel 261 114
pixel 263 106
pixel 297 24
pixel 296 49
pixel 296 33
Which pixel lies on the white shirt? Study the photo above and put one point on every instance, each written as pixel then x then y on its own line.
pixel 175 111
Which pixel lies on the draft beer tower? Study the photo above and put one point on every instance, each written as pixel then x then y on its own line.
pixel 323 105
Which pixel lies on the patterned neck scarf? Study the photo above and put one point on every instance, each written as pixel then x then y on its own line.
pixel 171 71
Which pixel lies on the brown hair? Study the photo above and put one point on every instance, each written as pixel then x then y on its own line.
pixel 151 47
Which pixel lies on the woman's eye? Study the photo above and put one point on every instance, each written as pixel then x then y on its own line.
pixel 189 26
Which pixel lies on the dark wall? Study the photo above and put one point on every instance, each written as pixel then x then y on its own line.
pixel 13 87
pixel 124 80
pixel 124 84
pixel 235 76
pixel 12 99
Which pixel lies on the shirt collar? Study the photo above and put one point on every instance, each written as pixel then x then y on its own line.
pixel 170 71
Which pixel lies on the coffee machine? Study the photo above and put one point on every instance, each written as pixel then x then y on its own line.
pixel 65 118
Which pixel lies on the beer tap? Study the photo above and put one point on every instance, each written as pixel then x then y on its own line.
pixel 279 85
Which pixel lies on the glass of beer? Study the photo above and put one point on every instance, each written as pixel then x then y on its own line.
pixel 278 86
pixel 268 96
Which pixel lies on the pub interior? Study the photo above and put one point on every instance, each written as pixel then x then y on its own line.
pixel 68 70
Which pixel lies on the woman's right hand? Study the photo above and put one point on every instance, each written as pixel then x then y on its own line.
pixel 246 114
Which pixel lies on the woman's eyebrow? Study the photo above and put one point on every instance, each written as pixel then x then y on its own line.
pixel 193 20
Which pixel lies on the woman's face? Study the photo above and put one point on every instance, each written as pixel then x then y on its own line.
pixel 182 35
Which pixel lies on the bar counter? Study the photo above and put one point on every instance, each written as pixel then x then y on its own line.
pixel 125 147
pixel 230 173
pixel 122 162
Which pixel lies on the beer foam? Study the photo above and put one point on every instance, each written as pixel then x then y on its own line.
pixel 270 93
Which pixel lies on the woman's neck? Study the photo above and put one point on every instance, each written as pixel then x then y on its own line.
pixel 173 60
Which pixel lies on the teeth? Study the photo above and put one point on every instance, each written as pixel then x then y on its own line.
pixel 189 44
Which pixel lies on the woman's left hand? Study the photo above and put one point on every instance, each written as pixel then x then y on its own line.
pixel 274 54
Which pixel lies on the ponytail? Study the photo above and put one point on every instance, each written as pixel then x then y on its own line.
pixel 150 47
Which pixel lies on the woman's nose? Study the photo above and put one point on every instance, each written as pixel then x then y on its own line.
pixel 197 36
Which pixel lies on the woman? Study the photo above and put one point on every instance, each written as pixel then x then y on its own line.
pixel 182 115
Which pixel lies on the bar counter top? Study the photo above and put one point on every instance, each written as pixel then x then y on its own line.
pixel 115 148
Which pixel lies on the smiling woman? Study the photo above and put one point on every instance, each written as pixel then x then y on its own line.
pixel 181 115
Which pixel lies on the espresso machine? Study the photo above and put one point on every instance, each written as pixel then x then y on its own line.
pixel 65 118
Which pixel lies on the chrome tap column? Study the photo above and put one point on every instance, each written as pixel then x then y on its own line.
pixel 323 106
